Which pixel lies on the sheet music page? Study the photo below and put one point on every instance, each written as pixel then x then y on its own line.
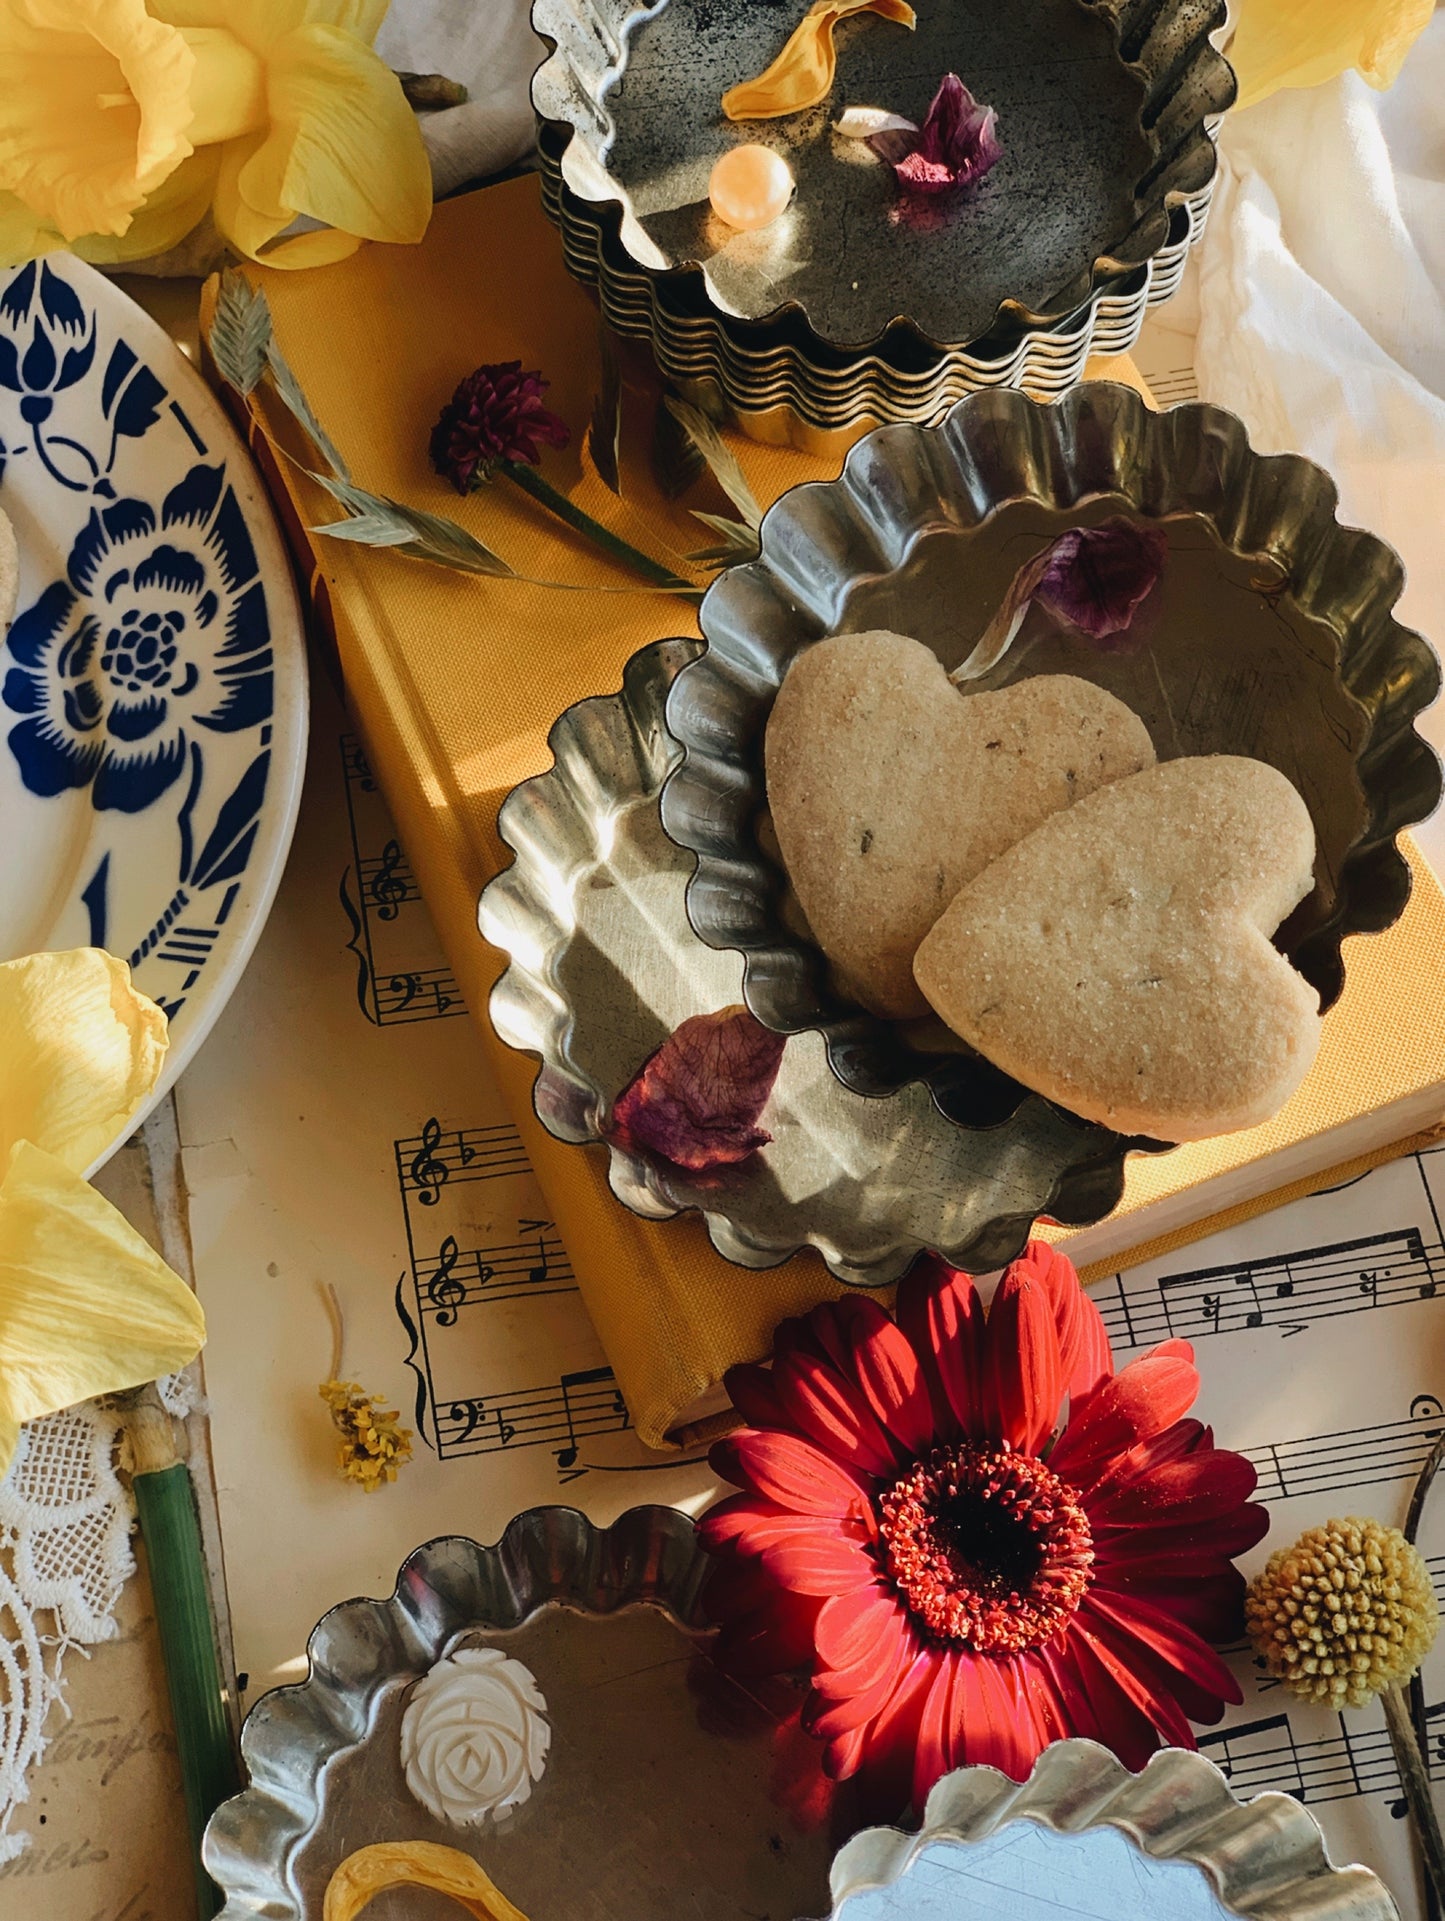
pixel 339 1127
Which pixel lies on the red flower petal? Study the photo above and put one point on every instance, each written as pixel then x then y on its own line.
pixel 791 1472
pixel 1202 1487
pixel 1151 1394
pixel 1124 1727
pixel 843 1754
pixel 889 1639
pixel 939 1747
pixel 753 1392
pixel 833 1710
pixel 1085 1355
pixel 697 1100
pixel 850 1622
pixel 1207 1597
pixel 1022 1376
pixel 892 1382
pixel 996 1729
pixel 764 1630
pixel 1226 1536
pixel 940 1312
pixel 1142 1627
pixel 816 1399
pixel 812 1560
pixel 888 1755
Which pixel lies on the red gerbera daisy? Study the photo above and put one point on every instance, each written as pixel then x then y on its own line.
pixel 965 1582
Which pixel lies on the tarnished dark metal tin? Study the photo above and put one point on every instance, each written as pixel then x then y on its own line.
pixel 1304 666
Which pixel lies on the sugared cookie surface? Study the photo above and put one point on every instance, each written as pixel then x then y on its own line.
pixel 889 790
pixel 1119 960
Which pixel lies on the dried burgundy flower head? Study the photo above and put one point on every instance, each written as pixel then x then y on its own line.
pixel 495 414
pixel 696 1101
pixel 975 1535
pixel 956 145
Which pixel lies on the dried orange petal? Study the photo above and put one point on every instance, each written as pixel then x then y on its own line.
pixel 802 74
pixel 414 1864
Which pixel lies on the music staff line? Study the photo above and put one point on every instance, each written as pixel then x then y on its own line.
pixel 1286 1292
pixel 427 1162
pixel 1334 1767
pixel 581 1405
pixel 386 994
pixel 1354 1457
pixel 465 1277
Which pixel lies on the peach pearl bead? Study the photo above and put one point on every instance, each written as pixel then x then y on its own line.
pixel 750 187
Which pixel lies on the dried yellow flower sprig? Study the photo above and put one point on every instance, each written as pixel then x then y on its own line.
pixel 1345 1613
pixel 373 1442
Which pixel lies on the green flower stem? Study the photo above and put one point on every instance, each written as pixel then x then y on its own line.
pixel 166 1506
pixel 531 482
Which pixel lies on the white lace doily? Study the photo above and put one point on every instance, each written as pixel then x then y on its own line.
pixel 65 1523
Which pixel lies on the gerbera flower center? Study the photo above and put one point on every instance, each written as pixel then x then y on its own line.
pixel 987 1547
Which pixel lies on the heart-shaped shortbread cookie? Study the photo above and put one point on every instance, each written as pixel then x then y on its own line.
pixel 889 789
pixel 1119 959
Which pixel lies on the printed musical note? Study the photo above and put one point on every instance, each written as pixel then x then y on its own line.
pixel 429 1173
pixel 399 975
pixel 389 882
pixel 560 1416
pixel 466 1154
pixel 1288 1292
pixel 445 1292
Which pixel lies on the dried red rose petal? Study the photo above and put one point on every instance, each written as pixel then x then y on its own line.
pixel 696 1101
pixel 956 145
pixel 1096 578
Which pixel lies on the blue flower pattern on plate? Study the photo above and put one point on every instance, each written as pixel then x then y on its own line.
pixel 158 629
pixel 140 674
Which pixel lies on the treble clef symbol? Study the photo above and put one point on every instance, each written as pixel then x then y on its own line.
pixel 388 888
pixel 445 1292
pixel 427 1171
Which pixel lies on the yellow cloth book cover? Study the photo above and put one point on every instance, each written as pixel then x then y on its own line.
pixel 456 680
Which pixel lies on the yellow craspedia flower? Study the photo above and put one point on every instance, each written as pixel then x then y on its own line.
pixel 373 1443
pixel 86 1305
pixel 1345 1613
pixel 122 122
pixel 1300 43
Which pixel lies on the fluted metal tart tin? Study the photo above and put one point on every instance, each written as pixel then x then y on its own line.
pixel 604 965
pixel 1182 1846
pixel 658 1788
pixel 1104 113
pixel 1275 639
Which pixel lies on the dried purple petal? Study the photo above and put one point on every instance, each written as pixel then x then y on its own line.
pixel 956 145
pixel 1097 577
pixel 696 1101
pixel 495 414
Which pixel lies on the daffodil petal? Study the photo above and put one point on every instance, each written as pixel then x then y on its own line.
pixel 171 212
pixel 344 146
pixel 1300 43
pixel 86 1305
pixel 93 110
pixel 316 249
pixel 80 1049
pixel 23 234
pixel 261 23
pixel 247 226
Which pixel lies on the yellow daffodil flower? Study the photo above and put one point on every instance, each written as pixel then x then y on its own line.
pixel 86 1305
pixel 1299 43
pixel 121 122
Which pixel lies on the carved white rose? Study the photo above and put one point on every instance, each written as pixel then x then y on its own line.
pixel 474 1737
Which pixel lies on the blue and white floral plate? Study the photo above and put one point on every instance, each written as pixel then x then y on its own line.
pixel 153 683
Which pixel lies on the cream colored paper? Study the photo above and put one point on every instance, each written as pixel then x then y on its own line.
pixel 339 1128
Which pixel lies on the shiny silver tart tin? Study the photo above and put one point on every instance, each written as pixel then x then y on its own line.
pixel 1084 1838
pixel 1104 114
pixel 659 1792
pixel 1275 638
pixel 604 964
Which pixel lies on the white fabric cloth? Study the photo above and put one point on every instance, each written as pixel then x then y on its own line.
pixel 489 46
pixel 1322 301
